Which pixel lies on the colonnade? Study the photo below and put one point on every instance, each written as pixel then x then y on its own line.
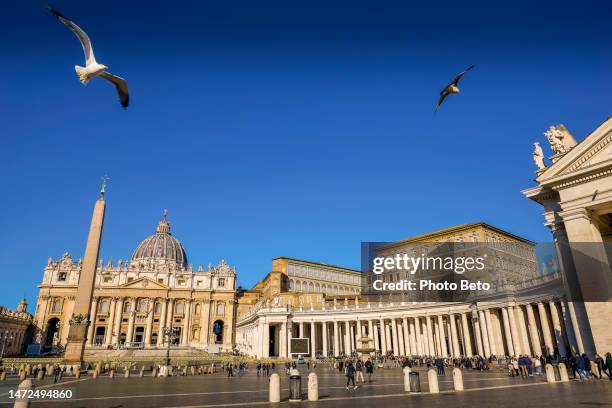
pixel 537 328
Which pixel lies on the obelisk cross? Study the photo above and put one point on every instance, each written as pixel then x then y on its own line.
pixel 103 189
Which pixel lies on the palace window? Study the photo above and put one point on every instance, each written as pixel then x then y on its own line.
pixel 180 282
pixel 108 279
pixel 221 282
pixel 61 277
pixel 130 279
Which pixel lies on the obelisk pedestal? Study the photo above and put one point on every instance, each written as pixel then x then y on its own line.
pixel 80 320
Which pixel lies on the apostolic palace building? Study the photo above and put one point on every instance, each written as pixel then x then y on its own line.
pixel 554 305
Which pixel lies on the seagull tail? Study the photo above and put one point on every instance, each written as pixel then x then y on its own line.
pixel 80 71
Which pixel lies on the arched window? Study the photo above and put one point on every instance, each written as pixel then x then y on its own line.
pixel 157 309
pixel 103 307
pixel 197 309
pixel 126 307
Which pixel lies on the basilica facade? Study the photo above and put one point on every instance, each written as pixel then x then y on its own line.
pixel 136 301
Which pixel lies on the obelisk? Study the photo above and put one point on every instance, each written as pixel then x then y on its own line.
pixel 77 333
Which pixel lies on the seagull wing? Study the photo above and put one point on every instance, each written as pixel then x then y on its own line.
pixel 443 96
pixel 82 35
pixel 459 75
pixel 120 85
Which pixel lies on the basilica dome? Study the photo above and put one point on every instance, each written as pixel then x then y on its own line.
pixel 161 246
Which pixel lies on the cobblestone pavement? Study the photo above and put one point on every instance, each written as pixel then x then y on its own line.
pixel 486 389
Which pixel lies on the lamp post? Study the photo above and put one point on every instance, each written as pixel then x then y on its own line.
pixel 170 333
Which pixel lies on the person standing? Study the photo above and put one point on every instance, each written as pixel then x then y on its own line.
pixel 359 369
pixel 350 375
pixel 369 369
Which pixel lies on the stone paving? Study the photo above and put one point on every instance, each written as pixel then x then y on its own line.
pixel 486 389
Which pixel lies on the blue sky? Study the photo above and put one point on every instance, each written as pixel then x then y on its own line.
pixel 284 128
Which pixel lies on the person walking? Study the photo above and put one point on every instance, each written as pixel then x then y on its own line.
pixel 350 375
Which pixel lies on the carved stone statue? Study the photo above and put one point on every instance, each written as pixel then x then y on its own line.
pixel 560 139
pixel 538 156
pixel 38 338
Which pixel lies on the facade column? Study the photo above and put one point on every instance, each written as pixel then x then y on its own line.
pixel 550 348
pixel 388 337
pixel 430 339
pixel 204 321
pixel 149 327
pixel 336 339
pixel 374 335
pixel 92 320
pixel 289 336
pixel 108 336
pixel 325 339
pixel 162 322
pixel 371 332
pixel 266 340
pixel 482 321
pixel 132 316
pixel 358 334
pixel 533 331
pixel 396 350
pixel 313 335
pixel 118 318
pixel 556 320
pixel 186 334
pixel 453 325
pixel 302 330
pixel 508 332
pixel 490 332
pixel 467 340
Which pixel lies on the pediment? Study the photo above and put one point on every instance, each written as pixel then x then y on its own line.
pixel 594 151
pixel 143 283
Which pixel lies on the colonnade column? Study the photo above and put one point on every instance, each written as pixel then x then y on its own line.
pixel 478 335
pixel 336 339
pixel 282 351
pixel 453 325
pixel 347 338
pixel 371 332
pixel 485 336
pixel 396 350
pixel 545 328
pixel 313 335
pixel 490 333
pixel 383 337
pixel 430 342
pixel 508 332
pixel 415 329
pixel 533 330
pixel 408 342
pixel 556 320
pixel 467 341
pixel 92 320
pixel 324 335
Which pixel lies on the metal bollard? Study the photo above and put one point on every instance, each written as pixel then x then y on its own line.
pixel 313 387
pixel 406 371
pixel 23 401
pixel 432 379
pixel 458 379
pixel 550 373
pixel 563 372
pixel 274 388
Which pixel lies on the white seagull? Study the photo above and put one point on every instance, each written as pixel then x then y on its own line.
pixel 92 68
pixel 452 87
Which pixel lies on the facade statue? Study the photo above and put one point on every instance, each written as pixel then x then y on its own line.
pixel 538 156
pixel 560 139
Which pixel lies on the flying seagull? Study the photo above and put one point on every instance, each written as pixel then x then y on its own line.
pixel 452 87
pixel 92 68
